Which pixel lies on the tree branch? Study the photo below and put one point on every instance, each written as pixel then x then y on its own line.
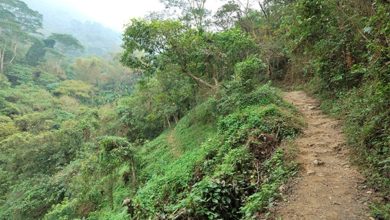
pixel 200 80
pixel 263 9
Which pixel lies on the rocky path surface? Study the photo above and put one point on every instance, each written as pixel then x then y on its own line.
pixel 328 187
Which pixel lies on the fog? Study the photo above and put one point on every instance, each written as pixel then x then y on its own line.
pixel 98 24
pixel 113 14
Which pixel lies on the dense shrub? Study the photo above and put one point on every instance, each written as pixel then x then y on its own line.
pixel 249 71
pixel 32 198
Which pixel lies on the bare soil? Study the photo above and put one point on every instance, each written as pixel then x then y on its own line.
pixel 328 186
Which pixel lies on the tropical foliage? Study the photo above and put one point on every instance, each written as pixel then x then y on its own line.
pixel 173 127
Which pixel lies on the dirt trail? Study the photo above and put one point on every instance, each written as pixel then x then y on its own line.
pixel 328 186
pixel 173 143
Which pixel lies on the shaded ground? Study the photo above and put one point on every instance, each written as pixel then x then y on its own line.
pixel 328 187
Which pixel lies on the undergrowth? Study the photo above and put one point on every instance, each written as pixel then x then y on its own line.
pixel 217 175
pixel 211 165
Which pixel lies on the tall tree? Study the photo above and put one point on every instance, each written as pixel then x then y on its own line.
pixel 17 24
pixel 37 51
pixel 66 43
pixel 57 44
pixel 227 15
pixel 192 12
pixel 205 57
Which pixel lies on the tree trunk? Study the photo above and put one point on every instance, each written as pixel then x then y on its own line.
pixel 216 87
pixel 263 10
pixel 13 53
pixel 269 69
pixel 176 117
pixel 2 53
pixel 111 191
pixel 133 172
pixel 168 121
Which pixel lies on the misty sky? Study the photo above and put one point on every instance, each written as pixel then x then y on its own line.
pixel 111 13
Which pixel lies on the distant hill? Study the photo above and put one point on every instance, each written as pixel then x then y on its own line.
pixel 97 39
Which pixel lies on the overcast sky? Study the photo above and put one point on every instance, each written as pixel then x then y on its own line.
pixel 111 13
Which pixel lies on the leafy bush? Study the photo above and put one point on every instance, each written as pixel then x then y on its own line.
pixel 65 210
pixel 278 171
pixel 25 99
pixel 35 122
pixel 248 71
pixel 233 98
pixel 76 89
pixel 32 198
pixel 19 74
pixel 7 129
pixel 222 195
pixel 269 119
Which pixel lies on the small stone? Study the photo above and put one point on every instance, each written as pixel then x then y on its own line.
pixel 318 162
pixel 347 166
pixel 282 188
pixel 371 218
pixel 369 192
pixel 311 172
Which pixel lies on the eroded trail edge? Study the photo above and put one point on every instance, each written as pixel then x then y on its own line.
pixel 328 187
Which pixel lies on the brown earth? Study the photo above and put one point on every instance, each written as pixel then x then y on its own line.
pixel 328 186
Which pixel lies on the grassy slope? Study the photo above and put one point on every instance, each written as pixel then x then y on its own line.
pixel 202 168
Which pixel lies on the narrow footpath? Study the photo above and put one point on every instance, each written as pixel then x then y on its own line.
pixel 328 186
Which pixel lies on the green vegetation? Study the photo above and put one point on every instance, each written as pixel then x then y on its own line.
pixel 195 130
pixel 49 113
pixel 341 49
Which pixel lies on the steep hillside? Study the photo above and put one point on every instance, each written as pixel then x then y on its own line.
pixel 210 165
pixel 193 127
pixel 51 106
